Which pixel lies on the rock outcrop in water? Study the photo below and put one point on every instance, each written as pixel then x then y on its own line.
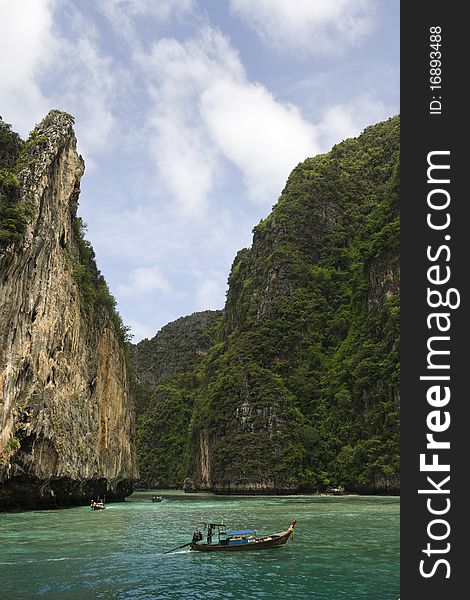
pixel 66 414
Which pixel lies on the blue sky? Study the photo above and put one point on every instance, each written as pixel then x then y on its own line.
pixel 190 115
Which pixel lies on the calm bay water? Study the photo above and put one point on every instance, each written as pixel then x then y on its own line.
pixel 344 547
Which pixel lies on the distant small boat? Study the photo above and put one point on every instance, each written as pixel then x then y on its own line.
pixel 157 498
pixel 243 539
pixel 97 505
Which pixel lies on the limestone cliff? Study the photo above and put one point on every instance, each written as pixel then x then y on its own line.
pixel 66 415
pixel 175 349
pixel 165 381
pixel 301 392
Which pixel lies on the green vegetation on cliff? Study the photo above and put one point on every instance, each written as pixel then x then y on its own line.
pixel 94 291
pixel 164 384
pixel 162 433
pixel 314 303
pixel 13 213
pixel 301 389
pixel 67 431
pixel 15 156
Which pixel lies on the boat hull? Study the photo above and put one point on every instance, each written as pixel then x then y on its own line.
pixel 267 541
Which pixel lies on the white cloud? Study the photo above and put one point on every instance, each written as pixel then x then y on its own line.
pixel 343 121
pixel 141 330
pixel 210 294
pixel 310 26
pixel 82 80
pixel 185 163
pixel 168 191
pixel 26 41
pixel 26 45
pixel 89 84
pixel 262 137
pixel 205 111
pixel 178 74
pixel 145 280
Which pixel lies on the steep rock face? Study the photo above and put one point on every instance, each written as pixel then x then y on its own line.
pixel 65 407
pixel 175 349
pixel 302 393
pixel 165 382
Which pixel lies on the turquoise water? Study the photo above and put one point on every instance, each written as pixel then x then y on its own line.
pixel 344 547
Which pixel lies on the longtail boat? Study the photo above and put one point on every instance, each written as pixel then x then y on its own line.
pixel 242 539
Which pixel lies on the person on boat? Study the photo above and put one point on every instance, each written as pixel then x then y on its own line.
pixel 197 536
pixel 209 534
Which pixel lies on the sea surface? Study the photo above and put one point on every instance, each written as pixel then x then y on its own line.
pixel 343 547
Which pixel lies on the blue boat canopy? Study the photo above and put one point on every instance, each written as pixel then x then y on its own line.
pixel 241 532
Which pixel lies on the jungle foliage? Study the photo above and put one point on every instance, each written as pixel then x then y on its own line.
pixel 94 291
pixel 13 213
pixel 16 212
pixel 300 387
pixel 165 380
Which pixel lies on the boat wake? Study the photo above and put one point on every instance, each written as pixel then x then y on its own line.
pixel 38 560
